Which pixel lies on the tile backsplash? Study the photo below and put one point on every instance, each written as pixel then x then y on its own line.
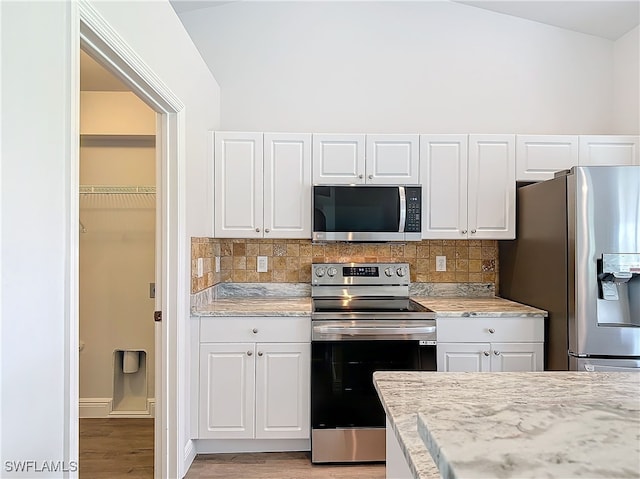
pixel 289 261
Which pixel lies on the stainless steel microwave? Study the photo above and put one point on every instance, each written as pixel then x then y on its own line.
pixel 367 213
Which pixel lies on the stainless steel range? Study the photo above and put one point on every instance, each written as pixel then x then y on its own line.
pixel 362 321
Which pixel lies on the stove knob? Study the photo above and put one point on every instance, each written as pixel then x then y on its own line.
pixel 332 272
pixel 388 272
pixel 401 272
pixel 320 272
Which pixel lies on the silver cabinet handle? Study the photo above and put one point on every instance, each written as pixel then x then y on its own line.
pixel 249 353
pixel 259 353
pixel 255 330
pixel 257 230
pixel 267 230
pixel 473 232
pixel 371 177
pixel 486 353
pixel 497 353
pixel 464 232
pixel 491 330
pixel 360 176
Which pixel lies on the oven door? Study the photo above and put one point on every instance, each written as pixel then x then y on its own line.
pixel 347 418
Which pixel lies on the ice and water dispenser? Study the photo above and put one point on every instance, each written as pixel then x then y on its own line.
pixel 619 290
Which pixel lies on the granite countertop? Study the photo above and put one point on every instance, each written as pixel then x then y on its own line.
pixel 271 301
pixel 457 307
pixel 255 306
pixel 515 425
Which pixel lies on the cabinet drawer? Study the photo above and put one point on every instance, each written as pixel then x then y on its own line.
pixel 490 329
pixel 255 329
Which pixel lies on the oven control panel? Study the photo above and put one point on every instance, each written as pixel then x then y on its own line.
pixel 360 273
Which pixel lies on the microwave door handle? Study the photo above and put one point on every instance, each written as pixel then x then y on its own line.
pixel 403 208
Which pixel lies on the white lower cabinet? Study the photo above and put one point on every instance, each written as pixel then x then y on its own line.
pixel 254 390
pixel 486 344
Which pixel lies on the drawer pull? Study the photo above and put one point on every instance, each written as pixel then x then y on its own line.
pixel 255 330
pixel 249 353
pixel 259 353
pixel 497 353
pixel 491 330
pixel 486 353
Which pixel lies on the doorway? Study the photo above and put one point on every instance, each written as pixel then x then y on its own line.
pixel 117 213
pixel 98 39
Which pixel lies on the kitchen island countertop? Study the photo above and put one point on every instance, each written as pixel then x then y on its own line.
pixel 515 425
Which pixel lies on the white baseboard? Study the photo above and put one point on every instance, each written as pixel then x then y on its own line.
pixel 212 446
pixel 94 407
pixel 103 407
pixel 189 456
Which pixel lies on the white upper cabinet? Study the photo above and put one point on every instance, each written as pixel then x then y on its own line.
pixel 538 157
pixel 370 159
pixel 444 185
pixel 468 186
pixel 238 172
pixel 492 187
pixel 338 159
pixel 262 185
pixel 392 159
pixel 596 150
pixel 287 185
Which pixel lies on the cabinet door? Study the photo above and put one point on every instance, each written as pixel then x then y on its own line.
pixel 517 357
pixel 464 357
pixel 492 187
pixel 392 159
pixel 538 157
pixel 238 185
pixel 282 390
pixel 338 159
pixel 597 150
pixel 443 175
pixel 287 185
pixel 227 391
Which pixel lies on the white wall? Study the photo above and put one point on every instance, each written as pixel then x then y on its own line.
pixel 35 172
pixel 626 83
pixel 36 58
pixel 435 67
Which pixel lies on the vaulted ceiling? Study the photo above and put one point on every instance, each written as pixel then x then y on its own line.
pixel 603 18
pixel 609 19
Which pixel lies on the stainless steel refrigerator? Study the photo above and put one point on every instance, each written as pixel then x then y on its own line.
pixel 577 255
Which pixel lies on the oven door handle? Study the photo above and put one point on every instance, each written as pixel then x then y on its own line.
pixel 374 330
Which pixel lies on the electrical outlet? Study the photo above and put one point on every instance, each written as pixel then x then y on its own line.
pixel 263 265
pixel 200 267
pixel 441 263
pixel 217 264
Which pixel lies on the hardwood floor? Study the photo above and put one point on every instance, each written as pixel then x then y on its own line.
pixel 116 448
pixel 123 448
pixel 277 465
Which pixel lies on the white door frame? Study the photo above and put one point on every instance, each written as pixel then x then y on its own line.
pixel 91 32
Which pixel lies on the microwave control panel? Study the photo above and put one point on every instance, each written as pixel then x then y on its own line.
pixel 414 207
